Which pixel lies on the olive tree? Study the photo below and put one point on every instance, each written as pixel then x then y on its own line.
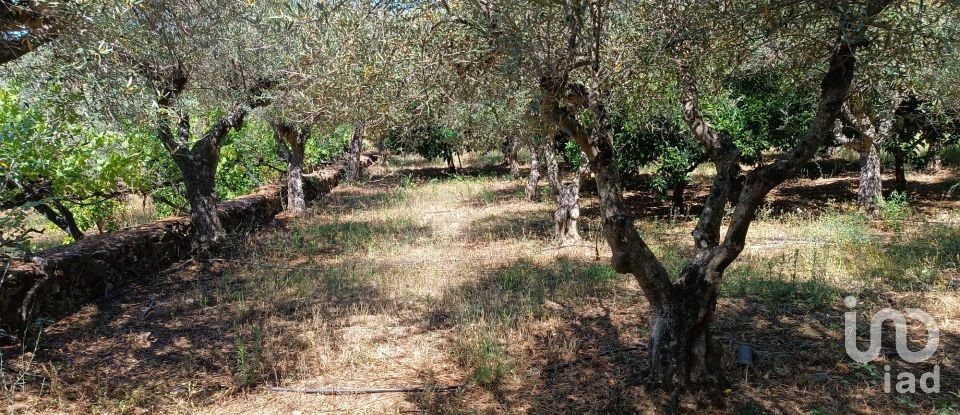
pixel 896 77
pixel 182 65
pixel 574 66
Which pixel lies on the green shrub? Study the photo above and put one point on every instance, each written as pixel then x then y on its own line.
pixel 895 209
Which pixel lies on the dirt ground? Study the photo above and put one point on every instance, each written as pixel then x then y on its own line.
pixel 415 278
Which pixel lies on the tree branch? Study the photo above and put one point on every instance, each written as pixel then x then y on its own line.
pixel 833 92
pixel 725 156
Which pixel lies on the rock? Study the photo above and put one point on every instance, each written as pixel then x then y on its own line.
pixel 819 377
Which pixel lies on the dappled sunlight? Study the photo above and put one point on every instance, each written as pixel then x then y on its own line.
pixel 458 281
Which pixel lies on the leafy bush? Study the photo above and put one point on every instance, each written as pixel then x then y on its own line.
pixel 431 142
pixel 950 155
pixel 895 209
pixel 324 147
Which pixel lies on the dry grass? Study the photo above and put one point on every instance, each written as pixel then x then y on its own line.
pixel 416 278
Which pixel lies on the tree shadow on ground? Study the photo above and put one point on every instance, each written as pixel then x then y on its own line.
pixel 536 224
pixel 426 174
pixel 790 197
pixel 197 332
pixel 801 364
pixel 583 349
pixel 573 341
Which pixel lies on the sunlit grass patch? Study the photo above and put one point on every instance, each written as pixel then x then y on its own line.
pixel 764 280
pixel 366 235
pixel 916 262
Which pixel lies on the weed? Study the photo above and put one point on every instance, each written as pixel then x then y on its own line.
pixel 844 227
pixel 599 274
pixel 763 279
pixel 487 197
pixel 870 373
pixel 248 356
pixel 487 360
pixel 894 209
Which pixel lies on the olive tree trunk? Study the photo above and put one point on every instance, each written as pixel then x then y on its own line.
pixel 199 179
pixel 870 191
pixel 291 140
pixel 899 161
pixel 553 170
pixel 40 191
pixel 61 216
pixel 451 166
pixel 567 213
pixel 676 193
pixel 874 130
pixel 510 154
pixel 532 190
pixel 356 147
pixel 933 139
pixel 568 198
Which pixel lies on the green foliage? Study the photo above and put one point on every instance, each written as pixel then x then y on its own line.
pixel 488 361
pixel 245 162
pixel 325 147
pixel 53 151
pixel 14 233
pixel 436 143
pixel 846 228
pixel 761 113
pixel 894 209
pixel 79 159
pixel 571 153
pixel 599 274
pixel 657 141
pixel 644 140
pixel 951 155
pixel 103 215
pixel 765 281
pixel 248 357
pixel 431 142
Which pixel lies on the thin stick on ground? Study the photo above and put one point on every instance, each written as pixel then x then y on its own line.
pixel 366 391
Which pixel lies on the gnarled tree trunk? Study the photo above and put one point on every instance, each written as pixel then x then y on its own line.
pixel 61 216
pixel 568 203
pixel 682 349
pixel 199 178
pixel 677 203
pixel 567 213
pixel 870 191
pixel 510 149
pixel 356 147
pixel 553 170
pixel 584 174
pixel 533 179
pixel 933 139
pixel 899 160
pixel 198 162
pixel 41 191
pixel 292 140
pixel 451 166
pixel 295 201
pixel 874 131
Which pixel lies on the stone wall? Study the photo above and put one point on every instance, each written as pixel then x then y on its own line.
pixel 57 281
